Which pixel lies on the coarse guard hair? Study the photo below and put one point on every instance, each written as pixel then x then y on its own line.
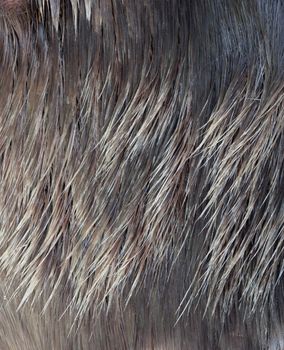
pixel 141 174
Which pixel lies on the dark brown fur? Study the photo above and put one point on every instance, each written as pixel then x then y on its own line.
pixel 142 181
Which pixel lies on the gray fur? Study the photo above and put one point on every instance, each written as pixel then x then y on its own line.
pixel 141 174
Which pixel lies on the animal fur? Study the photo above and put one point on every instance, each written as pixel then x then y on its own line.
pixel 142 174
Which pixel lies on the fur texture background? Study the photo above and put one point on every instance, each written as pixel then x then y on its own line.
pixel 141 174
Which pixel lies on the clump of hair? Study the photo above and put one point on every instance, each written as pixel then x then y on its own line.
pixel 141 174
